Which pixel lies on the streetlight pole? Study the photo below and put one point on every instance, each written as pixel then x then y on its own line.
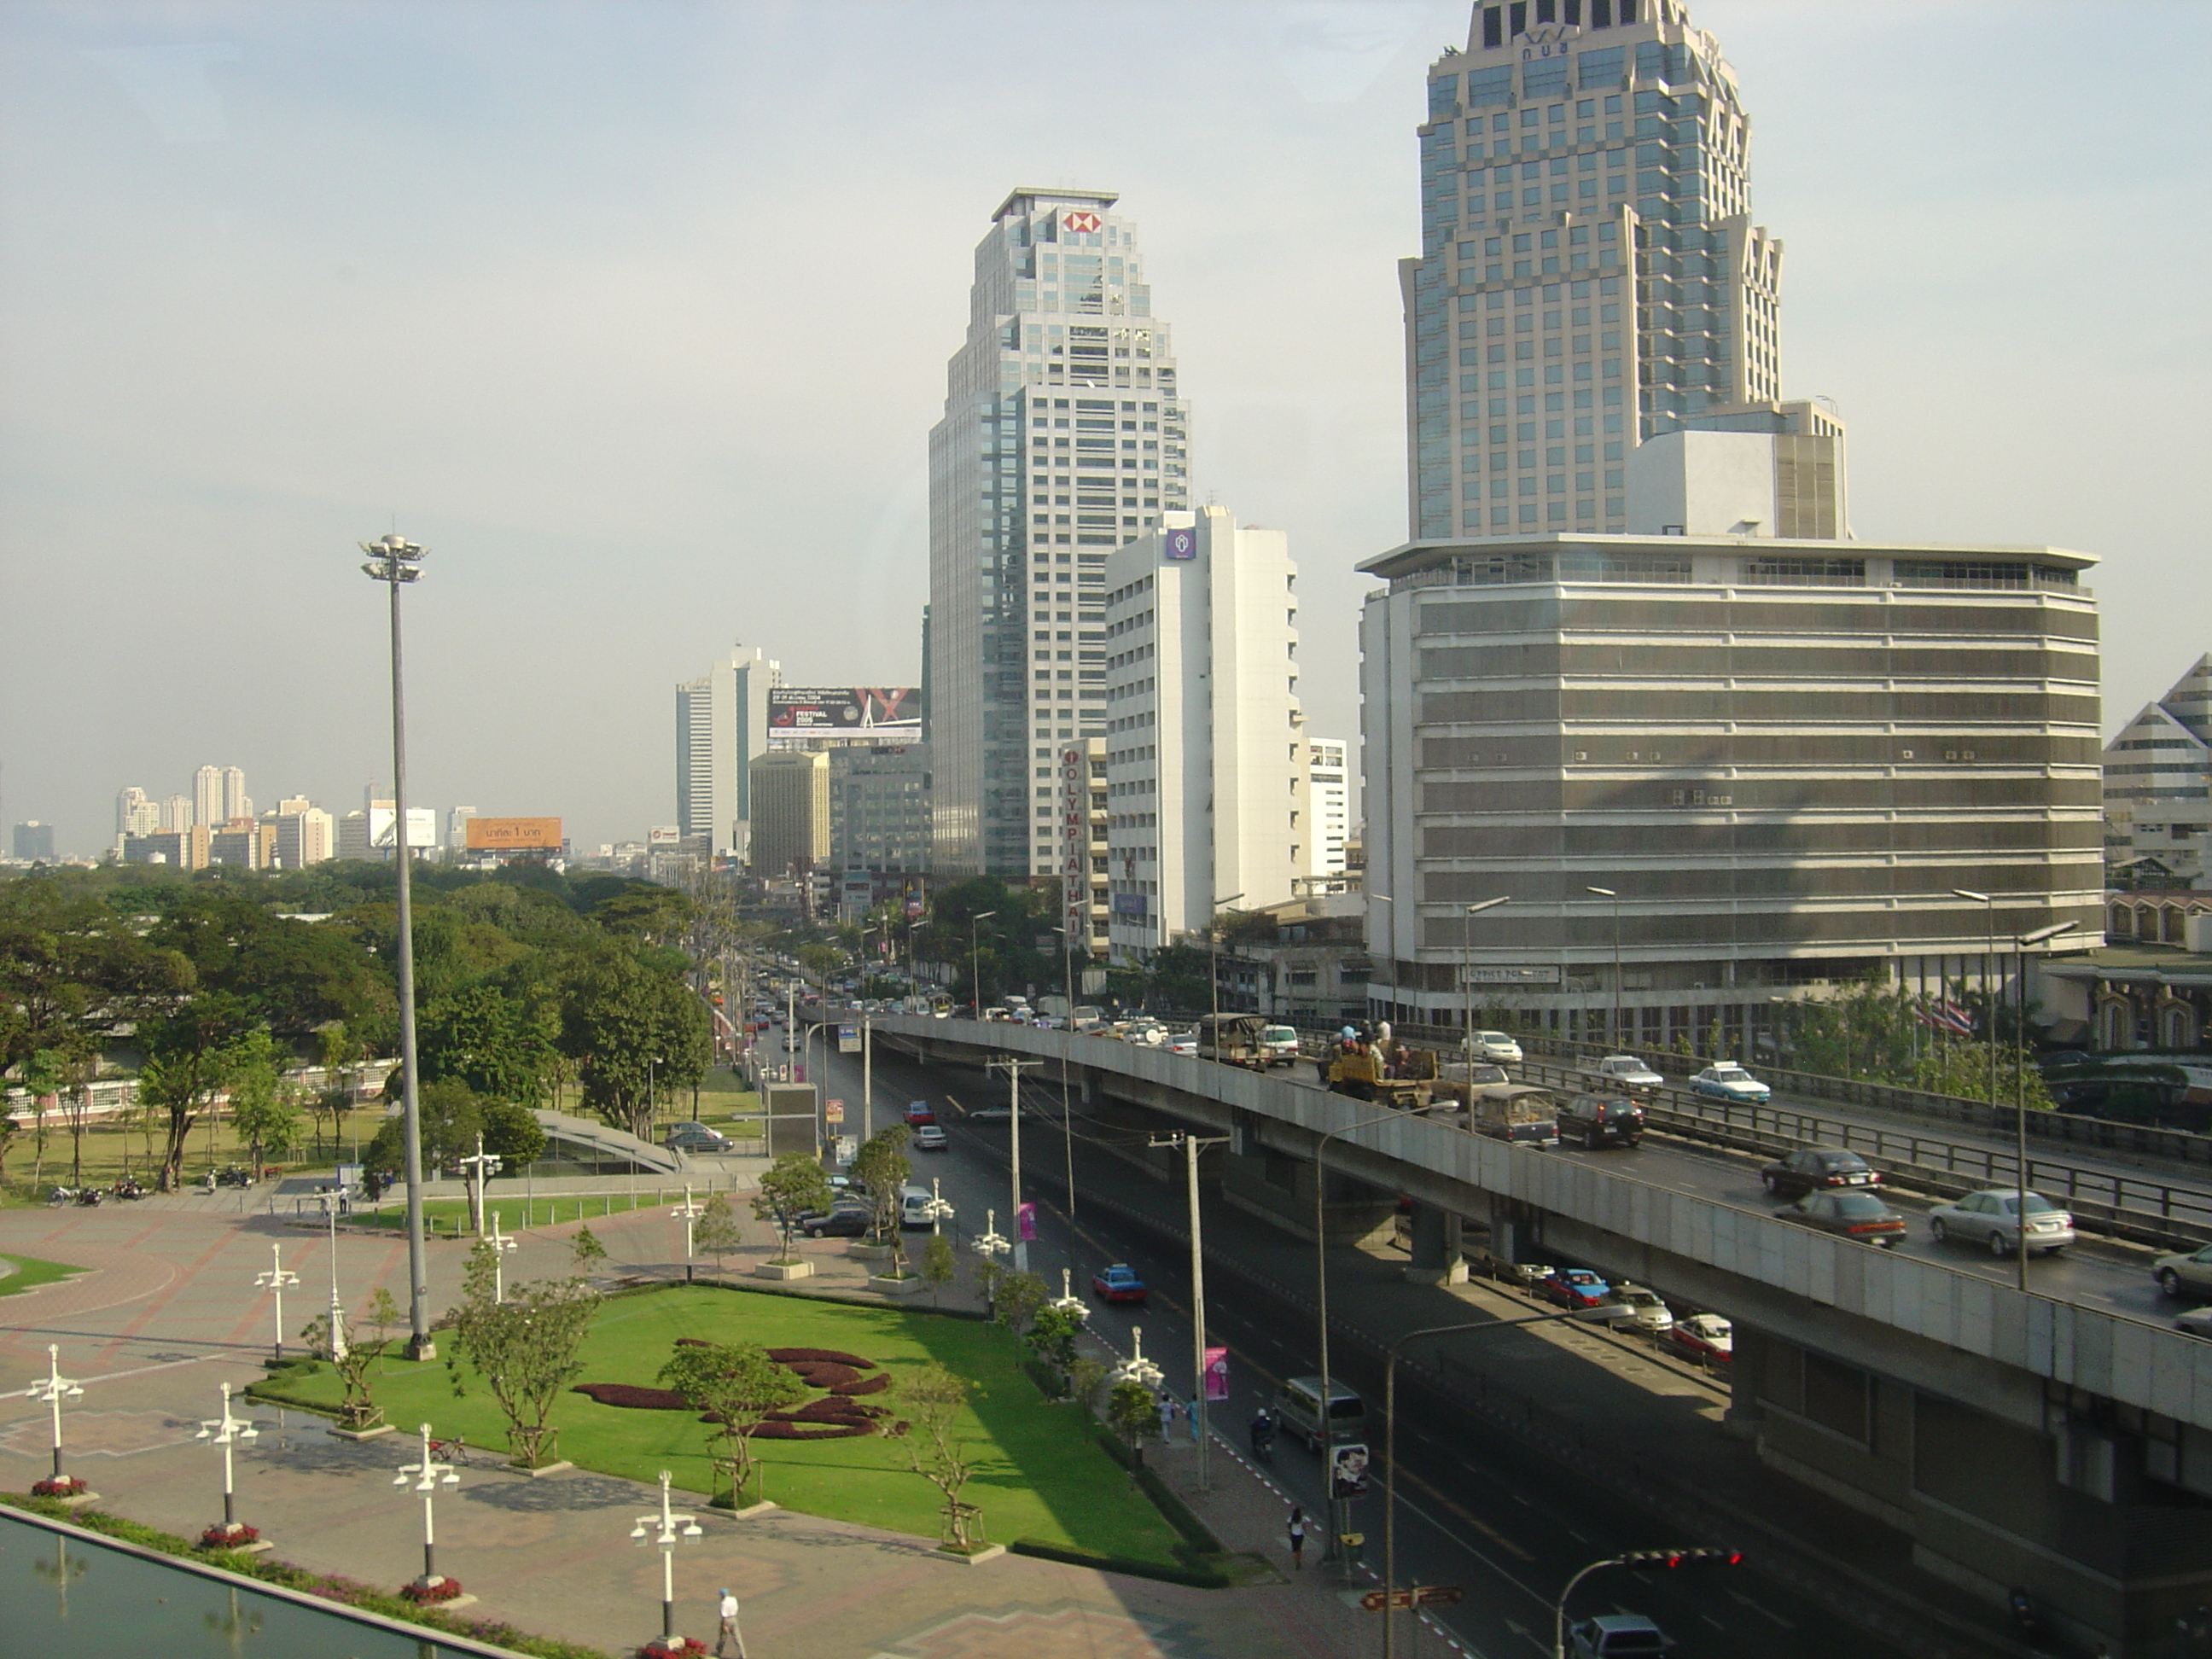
pixel 51 1392
pixel 395 561
pixel 669 1526
pixel 1390 945
pixel 1013 1070
pixel 1469 912
pixel 1390 1444
pixel 688 1212
pixel 1066 1103
pixel 1191 1145
pixel 227 1432
pixel 1321 1298
pixel 275 1277
pixel 1607 892
pixel 975 959
pixel 427 1476
pixel 331 1197
pixel 1213 937
pixel 2019 1081
pixel 1989 1004
pixel 499 1244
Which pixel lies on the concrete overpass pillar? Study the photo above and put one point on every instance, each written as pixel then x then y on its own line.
pixel 1435 1249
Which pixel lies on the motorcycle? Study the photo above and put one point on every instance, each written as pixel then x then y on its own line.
pixel 90 1197
pixel 233 1174
pixel 1263 1438
pixel 129 1187
pixel 59 1196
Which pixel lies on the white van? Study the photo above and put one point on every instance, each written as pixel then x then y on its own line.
pixel 913 1207
pixel 1297 1411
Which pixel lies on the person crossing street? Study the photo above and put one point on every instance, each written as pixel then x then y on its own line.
pixel 727 1631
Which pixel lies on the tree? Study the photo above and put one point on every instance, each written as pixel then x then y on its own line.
pixel 190 1058
pixel 883 1169
pixel 512 1132
pixel 524 1349
pixel 938 1265
pixel 361 1360
pixel 932 1400
pixel 794 1186
pixel 633 1031
pixel 41 1073
pixel 717 1232
pixel 1051 1336
pixel 988 1273
pixel 336 1050
pixel 735 1388
pixel 499 1040
pixel 1084 1378
pixel 1135 1415
pixel 451 1116
pixel 264 1112
pixel 585 1252
pixel 1017 1298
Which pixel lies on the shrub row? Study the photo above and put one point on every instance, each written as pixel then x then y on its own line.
pixel 1196 1576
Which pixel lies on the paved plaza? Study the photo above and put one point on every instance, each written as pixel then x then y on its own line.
pixel 169 1311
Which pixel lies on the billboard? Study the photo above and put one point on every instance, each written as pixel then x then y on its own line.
pixel 514 834
pixel 842 708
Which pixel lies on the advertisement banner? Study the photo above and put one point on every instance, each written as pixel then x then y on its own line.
pixel 1025 1218
pixel 1347 1471
pixel 508 835
pixel 1217 1374
pixel 844 707
pixel 849 1039
pixel 1180 545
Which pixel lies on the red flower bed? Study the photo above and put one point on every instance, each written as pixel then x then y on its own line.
pixel 229 1538
pixel 444 1590
pixel 875 1384
pixel 822 1373
pixel 629 1395
pixel 797 1431
pixel 826 1356
pixel 68 1485
pixel 681 1647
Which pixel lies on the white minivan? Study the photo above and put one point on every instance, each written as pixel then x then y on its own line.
pixel 913 1207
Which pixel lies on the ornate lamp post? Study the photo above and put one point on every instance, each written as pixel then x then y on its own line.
pixel 1136 1368
pixel 500 1245
pixel 688 1212
pixel 669 1526
pixel 937 1209
pixel 481 1166
pixel 426 1476
pixel 227 1432
pixel 332 1197
pixel 275 1277
pixel 50 1392
pixel 395 561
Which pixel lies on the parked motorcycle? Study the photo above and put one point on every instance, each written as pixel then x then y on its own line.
pixel 130 1187
pixel 59 1196
pixel 234 1175
pixel 90 1197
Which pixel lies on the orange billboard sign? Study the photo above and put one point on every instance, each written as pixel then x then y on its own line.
pixel 514 834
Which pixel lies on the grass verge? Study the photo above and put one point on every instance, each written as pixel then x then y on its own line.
pixel 30 1273
pixel 1041 1473
pixel 329 1586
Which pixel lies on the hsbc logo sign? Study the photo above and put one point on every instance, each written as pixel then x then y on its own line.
pixel 1080 220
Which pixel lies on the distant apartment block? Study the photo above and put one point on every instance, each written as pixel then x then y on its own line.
pixel 33 842
pixel 721 728
pixel 790 790
pixel 879 808
pixel 2158 789
pixel 1329 805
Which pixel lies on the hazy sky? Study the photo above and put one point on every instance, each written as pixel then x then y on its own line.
pixel 636 314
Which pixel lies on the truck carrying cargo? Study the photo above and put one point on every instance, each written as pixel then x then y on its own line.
pixel 1402 1080
pixel 1518 1112
pixel 1234 1040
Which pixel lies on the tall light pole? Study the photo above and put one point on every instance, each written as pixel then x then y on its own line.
pixel 51 1392
pixel 1469 913
pixel 395 561
pixel 975 958
pixel 227 1432
pixel 1989 1004
pixel 426 1476
pixel 332 1197
pixel 669 1526
pixel 1013 1068
pixel 1066 1102
pixel 1607 892
pixel 275 1277
pixel 1213 937
pixel 2041 935
pixel 688 1212
pixel 1390 945
pixel 499 1244
pixel 1191 1145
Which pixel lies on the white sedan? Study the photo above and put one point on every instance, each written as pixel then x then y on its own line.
pixel 1992 1218
pixel 1730 1082
pixel 1497 1047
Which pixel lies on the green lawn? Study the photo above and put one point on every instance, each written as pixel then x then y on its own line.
pixel 1040 1476
pixel 30 1273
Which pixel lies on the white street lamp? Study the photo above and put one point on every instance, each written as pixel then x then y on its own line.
pixel 481 1166
pixel 989 1243
pixel 1136 1368
pixel 427 1477
pixel 332 1197
pixel 275 1277
pixel 937 1209
pixel 227 1432
pixel 1068 1302
pixel 500 1245
pixel 689 1212
pixel 51 1392
pixel 669 1526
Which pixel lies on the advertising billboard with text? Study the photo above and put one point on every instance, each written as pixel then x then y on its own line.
pixel 514 834
pixel 843 709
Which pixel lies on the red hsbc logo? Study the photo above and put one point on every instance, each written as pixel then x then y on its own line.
pixel 1079 220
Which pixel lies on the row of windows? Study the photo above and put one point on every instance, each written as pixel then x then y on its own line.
pixel 1522 616
pixel 1877 925
pixel 1695 884
pixel 1547 658
pixel 1689 841
pixel 1763 793
pixel 1698 749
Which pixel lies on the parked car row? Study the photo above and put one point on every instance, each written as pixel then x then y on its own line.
pixel 1708 1337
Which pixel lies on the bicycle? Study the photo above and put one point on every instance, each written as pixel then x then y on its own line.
pixel 454 1451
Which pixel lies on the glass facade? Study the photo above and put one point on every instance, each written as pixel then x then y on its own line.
pixel 1589 276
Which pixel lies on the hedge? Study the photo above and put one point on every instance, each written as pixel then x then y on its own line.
pixel 1196 1577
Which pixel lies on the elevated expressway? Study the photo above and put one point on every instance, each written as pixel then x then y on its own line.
pixel 2059 1439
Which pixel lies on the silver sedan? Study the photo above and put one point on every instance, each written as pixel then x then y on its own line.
pixel 1993 1217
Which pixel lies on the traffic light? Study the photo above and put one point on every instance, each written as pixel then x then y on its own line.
pixel 1668 1560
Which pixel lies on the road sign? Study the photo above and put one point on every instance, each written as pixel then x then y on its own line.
pixel 834 1112
pixel 1420 1596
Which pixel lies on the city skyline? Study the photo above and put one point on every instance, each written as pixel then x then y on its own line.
pixel 1916 160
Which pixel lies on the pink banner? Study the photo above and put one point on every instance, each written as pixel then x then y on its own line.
pixel 1026 1220
pixel 1217 1374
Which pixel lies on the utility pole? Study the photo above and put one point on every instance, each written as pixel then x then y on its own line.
pixel 1014 1069
pixel 1191 1145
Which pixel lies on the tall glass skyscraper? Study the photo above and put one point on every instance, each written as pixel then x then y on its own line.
pixel 1589 274
pixel 1064 435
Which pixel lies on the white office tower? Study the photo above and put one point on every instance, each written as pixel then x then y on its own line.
pixel 1064 435
pixel 1206 757
pixel 1328 803
pixel 207 797
pixel 2158 789
pixel 457 827
pixel 721 728
pixel 1589 274
pixel 305 834
pixel 176 815
pixel 236 803
pixel 135 815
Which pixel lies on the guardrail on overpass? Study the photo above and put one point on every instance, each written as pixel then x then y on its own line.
pixel 2102 1352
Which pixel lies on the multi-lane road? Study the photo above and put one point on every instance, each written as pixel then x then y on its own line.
pixel 1478 1508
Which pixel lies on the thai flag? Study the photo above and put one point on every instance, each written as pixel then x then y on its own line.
pixel 1947 1017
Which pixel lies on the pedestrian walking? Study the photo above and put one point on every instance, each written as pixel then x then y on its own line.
pixel 1299 1539
pixel 1167 1417
pixel 727 1629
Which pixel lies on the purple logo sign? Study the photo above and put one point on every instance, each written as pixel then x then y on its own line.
pixel 1180 543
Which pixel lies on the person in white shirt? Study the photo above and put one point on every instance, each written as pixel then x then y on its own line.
pixel 727 1629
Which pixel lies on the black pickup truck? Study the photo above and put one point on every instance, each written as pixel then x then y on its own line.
pixel 1601 1120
